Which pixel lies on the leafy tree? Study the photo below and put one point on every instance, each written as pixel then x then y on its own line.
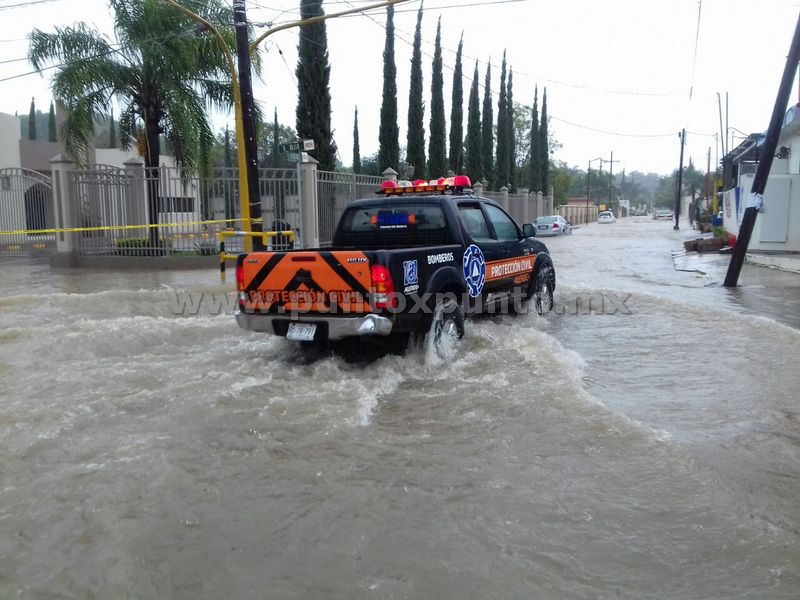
pixel 501 175
pixel 162 74
pixel 389 134
pixel 416 107
pixel 51 124
pixel 487 129
pixel 544 146
pixel 356 149
pixel 437 148
pixel 474 158
pixel 456 157
pixel 270 136
pixel 313 81
pixel 535 172
pixel 32 120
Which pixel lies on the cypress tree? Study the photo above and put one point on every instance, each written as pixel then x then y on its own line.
pixel 32 121
pixel 487 130
pixel 389 134
pixel 228 155
pixel 512 138
pixel 112 132
pixel 51 124
pixel 415 145
pixel 544 147
pixel 534 168
pixel 275 140
pixel 356 148
pixel 313 77
pixel 437 149
pixel 456 157
pixel 474 162
pixel 501 162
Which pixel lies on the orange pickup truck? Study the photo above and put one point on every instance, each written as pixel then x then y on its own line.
pixel 412 259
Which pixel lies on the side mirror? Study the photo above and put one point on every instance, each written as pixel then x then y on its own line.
pixel 528 230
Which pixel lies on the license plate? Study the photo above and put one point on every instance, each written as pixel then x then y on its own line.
pixel 301 332
pixel 543 227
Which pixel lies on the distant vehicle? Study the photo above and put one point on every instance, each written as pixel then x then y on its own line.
pixel 663 214
pixel 606 217
pixel 552 225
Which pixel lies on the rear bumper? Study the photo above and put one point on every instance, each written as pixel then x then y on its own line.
pixel 337 327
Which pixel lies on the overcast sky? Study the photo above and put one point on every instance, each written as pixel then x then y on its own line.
pixel 618 73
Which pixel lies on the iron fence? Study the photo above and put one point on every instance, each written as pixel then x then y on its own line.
pixel 26 205
pixel 334 192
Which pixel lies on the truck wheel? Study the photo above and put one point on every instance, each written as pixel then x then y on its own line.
pixel 543 290
pixel 448 326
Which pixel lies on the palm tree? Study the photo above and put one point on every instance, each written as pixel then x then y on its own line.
pixel 163 71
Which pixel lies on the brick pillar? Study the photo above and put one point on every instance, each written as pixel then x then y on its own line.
pixel 504 198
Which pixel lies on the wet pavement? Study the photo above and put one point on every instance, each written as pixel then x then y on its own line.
pixel 643 441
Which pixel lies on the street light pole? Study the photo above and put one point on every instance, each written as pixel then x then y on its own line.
pixel 588 189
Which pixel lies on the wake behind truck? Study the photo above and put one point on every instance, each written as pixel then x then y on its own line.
pixel 415 258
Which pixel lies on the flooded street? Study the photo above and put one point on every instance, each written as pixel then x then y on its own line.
pixel 646 448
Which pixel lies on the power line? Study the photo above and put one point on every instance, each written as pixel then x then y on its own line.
pixel 23 4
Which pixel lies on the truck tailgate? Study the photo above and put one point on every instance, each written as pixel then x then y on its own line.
pixel 306 282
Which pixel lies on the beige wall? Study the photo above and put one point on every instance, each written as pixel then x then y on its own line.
pixel 9 141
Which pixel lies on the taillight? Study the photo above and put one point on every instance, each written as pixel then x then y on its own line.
pixel 382 288
pixel 555 225
pixel 239 276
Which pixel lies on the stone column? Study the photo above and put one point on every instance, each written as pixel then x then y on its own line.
pixel 136 196
pixel 309 205
pixel 477 187
pixel 504 198
pixel 550 200
pixel 390 174
pixel 67 213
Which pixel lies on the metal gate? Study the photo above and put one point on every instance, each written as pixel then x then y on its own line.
pixel 334 192
pixel 26 207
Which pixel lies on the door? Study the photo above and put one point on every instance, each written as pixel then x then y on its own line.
pixel 515 266
pixel 482 249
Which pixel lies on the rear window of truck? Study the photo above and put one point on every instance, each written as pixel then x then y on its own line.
pixel 395 226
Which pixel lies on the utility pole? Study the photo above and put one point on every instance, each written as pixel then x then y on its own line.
pixel 679 187
pixel 610 178
pixel 248 118
pixel 764 166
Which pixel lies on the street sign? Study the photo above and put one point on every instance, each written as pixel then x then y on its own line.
pixel 298 146
pixel 293 156
pixel 290 147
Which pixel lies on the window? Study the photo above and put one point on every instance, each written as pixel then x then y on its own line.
pixel 504 227
pixel 474 222
pixel 392 226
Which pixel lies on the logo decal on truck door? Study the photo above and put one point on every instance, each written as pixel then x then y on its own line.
pixel 410 276
pixel 474 270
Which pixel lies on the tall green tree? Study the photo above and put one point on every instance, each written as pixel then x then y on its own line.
pixel 501 163
pixel 415 145
pixel 535 168
pixel 437 146
pixel 389 133
pixel 511 138
pixel 112 131
pixel 276 132
pixel 52 134
pixel 313 82
pixel 162 74
pixel 456 156
pixel 474 149
pixel 228 151
pixel 32 120
pixel 356 146
pixel 487 129
pixel 544 145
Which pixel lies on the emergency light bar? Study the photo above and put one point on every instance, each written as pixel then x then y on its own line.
pixel 457 183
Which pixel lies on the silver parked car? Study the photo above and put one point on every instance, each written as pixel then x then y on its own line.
pixel 552 225
pixel 606 217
